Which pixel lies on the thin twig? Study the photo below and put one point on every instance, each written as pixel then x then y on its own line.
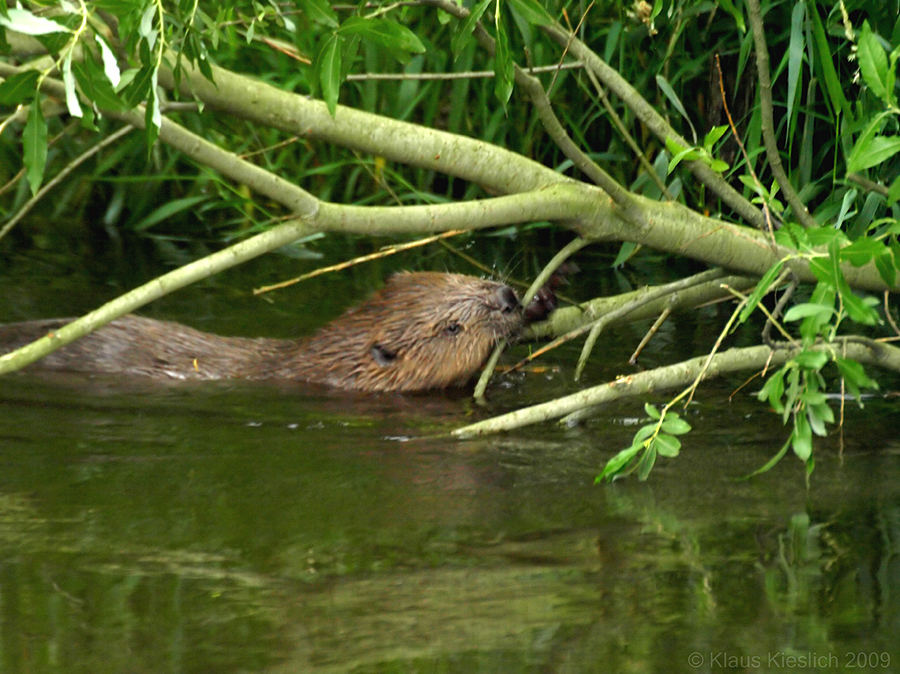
pixel 657 324
pixel 722 334
pixel 768 124
pixel 384 252
pixel 624 310
pixel 767 212
pixel 566 47
pixel 781 304
pixel 471 75
pixel 626 135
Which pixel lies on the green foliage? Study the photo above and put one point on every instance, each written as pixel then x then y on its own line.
pixel 658 438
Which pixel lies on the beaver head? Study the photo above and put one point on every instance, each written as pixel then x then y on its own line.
pixel 423 330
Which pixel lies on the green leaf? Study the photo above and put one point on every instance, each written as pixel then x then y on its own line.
pixel 503 65
pixel 854 376
pixel 873 62
pixel 761 290
pixel 394 37
pixel 894 192
pixel 801 438
pixel 167 210
pixel 800 311
pixel 667 445
pixel 72 103
pixel 736 14
pixel 811 360
pixel 152 118
pixel 532 11
pixel 463 34
pixel 34 142
pixel 626 250
pixel 645 465
pixel 795 54
pixel 617 463
pixel 19 88
pixel 818 416
pixel 95 86
pixel 689 154
pixel 771 462
pixel 651 411
pixel 110 65
pixel 823 295
pixel 773 390
pixel 138 90
pixel 886 269
pixel 670 94
pixel 23 21
pixel 823 236
pixel 713 136
pixel 643 433
pixel 874 151
pixel 857 309
pixel 675 425
pixel 823 58
pixel 863 250
pixel 327 66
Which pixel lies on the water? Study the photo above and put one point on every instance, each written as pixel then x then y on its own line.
pixel 238 527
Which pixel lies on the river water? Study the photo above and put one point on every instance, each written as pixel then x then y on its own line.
pixel 263 527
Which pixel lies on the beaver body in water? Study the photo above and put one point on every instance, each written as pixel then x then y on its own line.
pixel 423 330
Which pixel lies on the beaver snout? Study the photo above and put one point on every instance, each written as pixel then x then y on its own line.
pixel 509 302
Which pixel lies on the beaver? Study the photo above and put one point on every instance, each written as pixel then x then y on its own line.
pixel 423 330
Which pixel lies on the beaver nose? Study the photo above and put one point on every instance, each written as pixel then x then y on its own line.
pixel 508 300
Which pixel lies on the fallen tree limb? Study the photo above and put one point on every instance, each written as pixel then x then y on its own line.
pixel 678 375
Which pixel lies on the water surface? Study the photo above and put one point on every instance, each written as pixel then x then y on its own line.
pixel 265 527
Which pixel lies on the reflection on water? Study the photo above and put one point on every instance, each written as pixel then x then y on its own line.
pixel 225 527
pixel 252 527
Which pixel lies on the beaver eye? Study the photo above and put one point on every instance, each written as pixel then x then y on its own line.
pixel 382 356
pixel 453 329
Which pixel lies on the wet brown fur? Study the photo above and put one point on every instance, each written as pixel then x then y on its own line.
pixel 423 330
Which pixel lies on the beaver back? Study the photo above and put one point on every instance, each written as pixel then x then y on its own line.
pixel 423 330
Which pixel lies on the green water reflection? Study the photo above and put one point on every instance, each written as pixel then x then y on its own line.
pixel 227 528
pixel 264 528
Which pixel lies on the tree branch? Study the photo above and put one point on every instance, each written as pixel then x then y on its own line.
pixel 768 124
pixel 679 375
pixel 655 122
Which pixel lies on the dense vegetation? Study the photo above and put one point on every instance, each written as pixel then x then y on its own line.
pixel 757 140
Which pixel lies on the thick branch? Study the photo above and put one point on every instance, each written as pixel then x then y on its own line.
pixel 567 319
pixel 678 376
pixel 671 227
pixel 493 167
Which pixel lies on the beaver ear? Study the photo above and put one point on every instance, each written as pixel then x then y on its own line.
pixel 382 355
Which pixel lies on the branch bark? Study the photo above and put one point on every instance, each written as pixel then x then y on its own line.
pixel 676 376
